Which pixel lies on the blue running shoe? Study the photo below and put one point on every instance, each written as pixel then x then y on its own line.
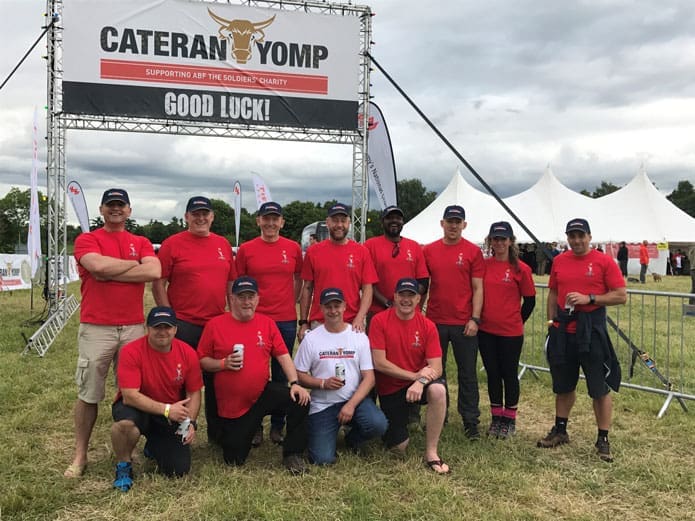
pixel 124 476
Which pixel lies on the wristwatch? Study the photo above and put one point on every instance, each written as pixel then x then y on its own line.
pixel 301 322
pixel 476 320
pixel 195 425
pixel 592 298
pixel 423 380
pixel 294 382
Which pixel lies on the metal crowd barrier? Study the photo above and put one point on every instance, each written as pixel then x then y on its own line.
pixel 653 335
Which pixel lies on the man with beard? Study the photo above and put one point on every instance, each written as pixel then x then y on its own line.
pixel 114 265
pixel 197 270
pixel 338 262
pixel 394 258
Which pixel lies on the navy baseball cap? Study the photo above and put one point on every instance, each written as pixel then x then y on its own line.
pixel 331 294
pixel 338 209
pixel 578 225
pixel 161 315
pixel 270 208
pixel 501 229
pixel 198 203
pixel 391 209
pixel 115 194
pixel 454 212
pixel 406 284
pixel 243 284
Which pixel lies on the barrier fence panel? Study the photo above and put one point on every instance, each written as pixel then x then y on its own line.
pixel 653 335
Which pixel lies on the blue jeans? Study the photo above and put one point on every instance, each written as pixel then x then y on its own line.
pixel 288 330
pixel 368 422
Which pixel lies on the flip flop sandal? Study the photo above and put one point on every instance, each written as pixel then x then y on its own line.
pixel 437 463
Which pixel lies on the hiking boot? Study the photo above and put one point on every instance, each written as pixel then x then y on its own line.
pixel 471 431
pixel 603 447
pixel 257 438
pixel 553 439
pixel 295 464
pixel 124 476
pixel 507 430
pixel 494 429
pixel 276 436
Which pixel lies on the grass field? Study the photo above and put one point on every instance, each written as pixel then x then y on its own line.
pixel 653 476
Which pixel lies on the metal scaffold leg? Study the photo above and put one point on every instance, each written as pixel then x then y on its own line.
pixel 47 333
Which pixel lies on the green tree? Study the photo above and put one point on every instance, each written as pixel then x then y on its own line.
pixel 14 218
pixel 298 214
pixel 413 197
pixel 604 188
pixel 684 197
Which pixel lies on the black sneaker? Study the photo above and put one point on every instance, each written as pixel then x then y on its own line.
pixel 471 431
pixel 507 430
pixel 495 425
pixel 276 436
pixel 603 447
pixel 257 438
pixel 553 439
pixel 295 464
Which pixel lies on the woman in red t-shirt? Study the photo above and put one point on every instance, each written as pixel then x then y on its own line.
pixel 507 281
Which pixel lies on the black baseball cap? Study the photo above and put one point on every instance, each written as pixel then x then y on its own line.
pixel 270 208
pixel 406 284
pixel 338 209
pixel 331 294
pixel 501 229
pixel 578 225
pixel 243 284
pixel 198 203
pixel 391 209
pixel 115 194
pixel 161 315
pixel 454 212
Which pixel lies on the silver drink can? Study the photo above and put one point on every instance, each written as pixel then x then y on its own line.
pixel 340 371
pixel 239 348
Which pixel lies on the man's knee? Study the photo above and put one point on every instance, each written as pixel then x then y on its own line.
pixel 436 393
pixel 124 428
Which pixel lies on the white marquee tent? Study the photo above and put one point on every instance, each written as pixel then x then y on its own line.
pixel 635 212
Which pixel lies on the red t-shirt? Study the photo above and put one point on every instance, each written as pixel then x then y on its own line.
pixel 503 287
pixel 237 391
pixel 451 267
pixel 198 269
pixel 408 263
pixel 111 303
pixel 593 273
pixel 274 266
pixel 345 266
pixel 164 377
pixel 408 344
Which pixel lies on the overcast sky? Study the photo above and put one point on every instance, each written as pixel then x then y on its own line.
pixel 593 88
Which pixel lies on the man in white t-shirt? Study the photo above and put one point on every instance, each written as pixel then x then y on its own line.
pixel 336 363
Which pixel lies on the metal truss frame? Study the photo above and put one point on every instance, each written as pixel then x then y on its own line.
pixel 58 123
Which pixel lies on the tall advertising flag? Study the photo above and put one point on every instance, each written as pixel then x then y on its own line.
pixel 76 196
pixel 262 190
pixel 34 234
pixel 237 210
pixel 382 169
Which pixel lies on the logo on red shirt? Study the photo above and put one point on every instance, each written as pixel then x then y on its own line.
pixel 590 270
pixel 221 255
pixel 417 342
pixel 459 262
pixel 409 257
pixel 133 253
pixel 260 342
pixel 284 257
pixel 179 374
pixel 506 276
pixel 350 262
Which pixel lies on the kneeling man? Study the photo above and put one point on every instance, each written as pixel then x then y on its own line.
pixel 408 363
pixel 335 361
pixel 159 397
pixel 237 347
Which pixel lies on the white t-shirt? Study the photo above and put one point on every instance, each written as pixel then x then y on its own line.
pixel 318 354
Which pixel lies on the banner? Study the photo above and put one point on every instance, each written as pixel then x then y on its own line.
pixel 382 169
pixel 34 233
pixel 237 210
pixel 262 191
pixel 15 272
pixel 76 196
pixel 211 62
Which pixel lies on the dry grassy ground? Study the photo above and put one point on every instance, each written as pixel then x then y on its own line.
pixel 653 476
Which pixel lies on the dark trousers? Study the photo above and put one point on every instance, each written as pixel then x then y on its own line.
pixel 500 356
pixel 465 350
pixel 237 433
pixel 190 333
pixel 643 272
pixel 288 330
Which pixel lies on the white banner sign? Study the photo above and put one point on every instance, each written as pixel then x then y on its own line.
pixel 34 234
pixel 262 191
pixel 237 210
pixel 76 196
pixel 382 169
pixel 207 61
pixel 15 272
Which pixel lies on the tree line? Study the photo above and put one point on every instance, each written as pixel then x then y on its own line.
pixel 413 197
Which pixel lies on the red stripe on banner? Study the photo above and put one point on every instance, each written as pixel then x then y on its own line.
pixel 212 76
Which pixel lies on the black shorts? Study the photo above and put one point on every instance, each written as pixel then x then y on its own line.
pixel 172 456
pixel 564 365
pixel 396 408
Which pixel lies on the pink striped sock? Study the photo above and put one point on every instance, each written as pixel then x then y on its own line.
pixel 497 411
pixel 509 413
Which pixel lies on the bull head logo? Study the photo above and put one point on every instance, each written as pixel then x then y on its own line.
pixel 241 34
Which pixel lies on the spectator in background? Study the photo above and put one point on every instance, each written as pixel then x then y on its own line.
pixel 623 256
pixel 643 261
